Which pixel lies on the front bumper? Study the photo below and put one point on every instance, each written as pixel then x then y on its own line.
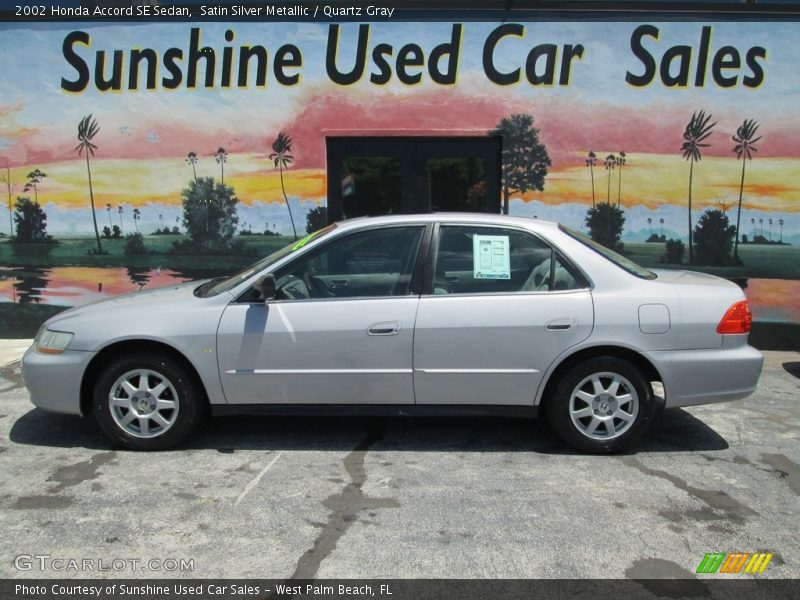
pixel 693 377
pixel 54 380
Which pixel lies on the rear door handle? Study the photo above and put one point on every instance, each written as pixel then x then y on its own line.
pixel 561 324
pixel 384 328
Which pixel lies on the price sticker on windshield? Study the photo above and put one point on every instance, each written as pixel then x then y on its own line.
pixel 491 257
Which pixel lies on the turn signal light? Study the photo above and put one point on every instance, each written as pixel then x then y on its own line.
pixel 737 319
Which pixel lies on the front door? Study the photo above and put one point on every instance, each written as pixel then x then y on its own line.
pixel 340 330
pixel 501 307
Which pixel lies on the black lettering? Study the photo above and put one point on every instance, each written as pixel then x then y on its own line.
pixel 409 55
pixel 76 62
pixel 549 51
pixel 115 81
pixel 570 52
pixel 684 56
pixel 195 54
pixel 379 53
pixel 287 56
pixel 702 57
pixel 245 54
pixel 171 57
pixel 451 50
pixel 334 74
pixel 152 65
pixel 643 55
pixel 726 57
pixel 492 40
pixel 227 60
pixel 758 73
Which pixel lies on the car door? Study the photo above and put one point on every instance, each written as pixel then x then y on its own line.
pixel 500 306
pixel 340 329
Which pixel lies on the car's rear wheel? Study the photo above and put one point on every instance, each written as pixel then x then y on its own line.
pixel 147 402
pixel 602 405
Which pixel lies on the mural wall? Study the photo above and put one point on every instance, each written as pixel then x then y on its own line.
pixel 133 155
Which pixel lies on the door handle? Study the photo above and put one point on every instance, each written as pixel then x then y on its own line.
pixel 384 328
pixel 562 324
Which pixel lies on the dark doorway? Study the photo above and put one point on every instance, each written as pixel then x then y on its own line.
pixel 381 176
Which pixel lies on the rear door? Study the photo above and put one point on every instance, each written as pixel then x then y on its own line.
pixel 500 306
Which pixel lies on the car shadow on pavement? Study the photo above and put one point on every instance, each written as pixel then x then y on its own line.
pixel 793 368
pixel 673 430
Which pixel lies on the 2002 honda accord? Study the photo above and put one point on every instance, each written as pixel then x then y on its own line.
pixel 408 314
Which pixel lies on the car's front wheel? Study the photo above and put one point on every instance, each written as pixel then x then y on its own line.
pixel 147 402
pixel 602 405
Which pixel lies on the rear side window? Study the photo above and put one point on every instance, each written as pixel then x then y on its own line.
pixel 619 260
pixel 485 260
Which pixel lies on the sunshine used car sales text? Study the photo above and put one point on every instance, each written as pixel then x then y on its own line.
pixel 507 58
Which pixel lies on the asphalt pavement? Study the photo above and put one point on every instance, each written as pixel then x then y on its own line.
pixel 402 497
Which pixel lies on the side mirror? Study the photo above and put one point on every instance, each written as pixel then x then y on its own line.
pixel 265 286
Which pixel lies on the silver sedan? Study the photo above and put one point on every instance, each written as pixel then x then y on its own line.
pixel 417 314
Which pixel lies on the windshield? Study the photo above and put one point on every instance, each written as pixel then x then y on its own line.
pixel 614 257
pixel 224 284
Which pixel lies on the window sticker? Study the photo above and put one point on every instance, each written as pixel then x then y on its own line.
pixel 491 257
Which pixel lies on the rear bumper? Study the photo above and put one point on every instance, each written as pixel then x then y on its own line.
pixel 54 380
pixel 693 377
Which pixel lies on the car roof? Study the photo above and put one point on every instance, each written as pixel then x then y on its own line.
pixel 450 217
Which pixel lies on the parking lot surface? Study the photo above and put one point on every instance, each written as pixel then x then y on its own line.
pixel 402 497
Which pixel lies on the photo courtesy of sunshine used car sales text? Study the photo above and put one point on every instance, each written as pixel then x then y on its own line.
pixel 381 591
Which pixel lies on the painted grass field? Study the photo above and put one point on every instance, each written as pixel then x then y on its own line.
pixel 762 261
pixel 78 252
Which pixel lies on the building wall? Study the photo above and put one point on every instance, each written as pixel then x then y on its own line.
pixel 630 86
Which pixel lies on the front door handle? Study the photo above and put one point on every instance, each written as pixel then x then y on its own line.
pixel 562 324
pixel 384 328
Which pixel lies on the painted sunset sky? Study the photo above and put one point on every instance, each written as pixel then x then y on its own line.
pixel 145 135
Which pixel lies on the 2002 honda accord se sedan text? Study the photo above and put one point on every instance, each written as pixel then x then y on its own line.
pixel 406 314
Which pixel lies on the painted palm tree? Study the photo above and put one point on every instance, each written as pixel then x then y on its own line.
pixel 770 230
pixel 753 223
pixel 191 158
pixel 780 222
pixel 108 211
pixel 10 189
pixel 662 226
pixel 650 222
pixel 620 163
pixel 282 157
pixel 221 157
pixel 695 134
pixel 119 212
pixel 34 178
pixel 745 146
pixel 591 161
pixel 137 214
pixel 610 163
pixel 87 129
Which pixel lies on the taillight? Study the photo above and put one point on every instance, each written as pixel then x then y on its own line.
pixel 737 319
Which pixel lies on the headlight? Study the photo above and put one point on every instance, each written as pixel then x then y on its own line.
pixel 53 342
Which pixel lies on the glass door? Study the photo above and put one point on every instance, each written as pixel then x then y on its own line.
pixel 381 176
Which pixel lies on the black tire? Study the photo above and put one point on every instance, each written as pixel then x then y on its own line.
pixel 624 432
pixel 181 389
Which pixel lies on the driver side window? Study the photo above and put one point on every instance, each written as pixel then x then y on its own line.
pixel 372 263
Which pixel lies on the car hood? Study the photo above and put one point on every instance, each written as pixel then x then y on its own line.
pixel 156 296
